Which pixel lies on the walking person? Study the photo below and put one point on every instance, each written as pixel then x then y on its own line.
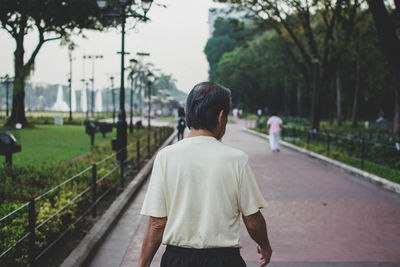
pixel 181 123
pixel 198 189
pixel 274 128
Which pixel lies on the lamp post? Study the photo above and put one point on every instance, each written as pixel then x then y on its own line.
pixel 124 14
pixel 92 95
pixel 113 97
pixel 133 69
pixel 70 49
pixel 150 80
pixel 87 99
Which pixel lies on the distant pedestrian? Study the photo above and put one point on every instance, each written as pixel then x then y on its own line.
pixel 198 189
pixel 181 123
pixel 259 113
pixel 274 128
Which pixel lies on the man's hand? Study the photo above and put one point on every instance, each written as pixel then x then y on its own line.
pixel 265 256
pixel 257 229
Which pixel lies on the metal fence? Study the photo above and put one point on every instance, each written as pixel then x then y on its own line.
pixel 359 149
pixel 83 202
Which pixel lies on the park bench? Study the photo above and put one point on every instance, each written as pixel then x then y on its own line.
pixel 105 128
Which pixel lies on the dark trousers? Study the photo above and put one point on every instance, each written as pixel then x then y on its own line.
pixel 180 134
pixel 208 257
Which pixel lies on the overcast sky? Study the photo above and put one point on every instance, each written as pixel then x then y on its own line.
pixel 175 39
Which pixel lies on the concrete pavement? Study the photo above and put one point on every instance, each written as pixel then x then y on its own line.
pixel 317 215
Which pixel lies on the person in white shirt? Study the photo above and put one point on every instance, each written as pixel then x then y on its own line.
pixel 274 128
pixel 198 189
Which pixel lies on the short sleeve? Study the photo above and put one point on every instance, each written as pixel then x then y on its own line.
pixel 269 121
pixel 154 202
pixel 250 197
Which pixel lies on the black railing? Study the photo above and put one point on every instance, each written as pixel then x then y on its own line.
pixel 85 201
pixel 357 150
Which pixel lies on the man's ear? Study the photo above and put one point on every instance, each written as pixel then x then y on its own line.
pixel 221 116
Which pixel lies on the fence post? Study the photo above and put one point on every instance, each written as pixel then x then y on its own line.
pixel 148 146
pixel 161 137
pixel 94 189
pixel 362 153
pixel 122 171
pixel 308 140
pixel 137 153
pixel 32 225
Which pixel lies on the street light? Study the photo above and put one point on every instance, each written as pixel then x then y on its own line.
pixel 123 14
pixel 70 49
pixel 92 96
pixel 133 70
pixel 113 97
pixel 150 80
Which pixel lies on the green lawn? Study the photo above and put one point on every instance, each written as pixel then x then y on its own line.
pixel 167 118
pixel 51 143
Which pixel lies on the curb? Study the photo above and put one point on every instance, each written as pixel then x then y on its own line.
pixel 100 230
pixel 388 185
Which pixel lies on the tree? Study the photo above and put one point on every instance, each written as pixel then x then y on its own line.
pixel 260 75
pixel 308 42
pixel 50 20
pixel 386 25
pixel 227 35
pixel 167 82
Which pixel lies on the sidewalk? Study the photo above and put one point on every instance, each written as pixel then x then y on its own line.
pixel 317 215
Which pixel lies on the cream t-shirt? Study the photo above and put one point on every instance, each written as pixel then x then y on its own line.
pixel 201 186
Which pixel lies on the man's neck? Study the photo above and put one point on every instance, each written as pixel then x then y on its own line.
pixel 200 132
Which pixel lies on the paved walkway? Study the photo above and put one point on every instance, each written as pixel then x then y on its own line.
pixel 317 215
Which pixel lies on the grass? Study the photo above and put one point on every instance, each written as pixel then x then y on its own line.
pixel 167 118
pixel 54 143
pixel 369 166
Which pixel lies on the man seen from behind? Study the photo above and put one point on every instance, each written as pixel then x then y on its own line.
pixel 198 189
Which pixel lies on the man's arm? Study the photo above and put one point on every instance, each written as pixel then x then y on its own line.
pixel 152 240
pixel 257 229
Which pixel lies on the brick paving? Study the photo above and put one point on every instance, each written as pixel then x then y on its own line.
pixel 317 215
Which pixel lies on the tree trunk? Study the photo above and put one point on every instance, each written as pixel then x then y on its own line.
pixel 315 110
pixel 338 100
pixel 396 119
pixel 298 100
pixel 356 96
pixel 286 96
pixel 390 47
pixel 21 73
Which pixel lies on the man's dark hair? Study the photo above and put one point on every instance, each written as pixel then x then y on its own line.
pixel 204 103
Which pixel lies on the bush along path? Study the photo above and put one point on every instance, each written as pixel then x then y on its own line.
pixel 364 151
pixel 42 205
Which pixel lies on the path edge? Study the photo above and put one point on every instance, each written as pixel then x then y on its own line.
pixel 377 180
pixel 99 231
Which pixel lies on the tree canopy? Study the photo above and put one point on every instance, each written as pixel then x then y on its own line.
pixel 49 20
pixel 320 59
